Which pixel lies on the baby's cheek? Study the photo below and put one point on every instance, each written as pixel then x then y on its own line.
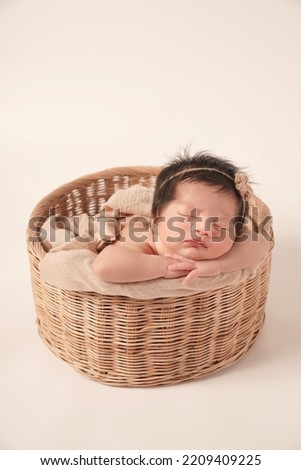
pixel 222 247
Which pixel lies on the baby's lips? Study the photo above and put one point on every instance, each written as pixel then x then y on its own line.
pixel 196 242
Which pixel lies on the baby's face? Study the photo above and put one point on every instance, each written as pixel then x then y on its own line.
pixel 198 223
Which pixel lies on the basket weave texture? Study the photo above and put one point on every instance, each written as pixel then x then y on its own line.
pixel 130 342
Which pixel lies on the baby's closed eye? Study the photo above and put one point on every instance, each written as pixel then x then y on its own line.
pixel 220 227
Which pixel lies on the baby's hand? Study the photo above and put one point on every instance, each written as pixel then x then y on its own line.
pixel 175 273
pixel 205 268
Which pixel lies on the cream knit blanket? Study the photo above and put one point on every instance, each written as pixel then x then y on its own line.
pixel 73 243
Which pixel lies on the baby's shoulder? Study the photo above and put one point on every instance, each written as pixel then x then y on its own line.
pixel 137 235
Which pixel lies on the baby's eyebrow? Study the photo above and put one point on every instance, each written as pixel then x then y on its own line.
pixel 185 205
pixel 194 211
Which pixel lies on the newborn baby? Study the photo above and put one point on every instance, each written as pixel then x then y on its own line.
pixel 199 212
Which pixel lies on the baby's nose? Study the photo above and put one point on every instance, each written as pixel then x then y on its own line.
pixel 201 227
pixel 201 231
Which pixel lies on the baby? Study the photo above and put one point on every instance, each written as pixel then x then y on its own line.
pixel 197 228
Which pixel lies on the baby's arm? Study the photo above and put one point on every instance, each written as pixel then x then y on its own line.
pixel 132 263
pixel 244 254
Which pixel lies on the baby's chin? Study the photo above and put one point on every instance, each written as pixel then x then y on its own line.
pixel 200 254
pixel 196 254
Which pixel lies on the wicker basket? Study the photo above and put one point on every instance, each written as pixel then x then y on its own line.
pixel 130 342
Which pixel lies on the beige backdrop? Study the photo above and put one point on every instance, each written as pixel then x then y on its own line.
pixel 86 85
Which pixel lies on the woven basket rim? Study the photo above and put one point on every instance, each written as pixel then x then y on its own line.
pixel 89 178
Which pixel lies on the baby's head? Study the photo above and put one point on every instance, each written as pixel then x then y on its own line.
pixel 209 182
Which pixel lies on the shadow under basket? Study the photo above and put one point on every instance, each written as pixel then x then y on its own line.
pixel 129 342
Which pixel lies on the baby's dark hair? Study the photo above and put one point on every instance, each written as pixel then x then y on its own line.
pixel 216 171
